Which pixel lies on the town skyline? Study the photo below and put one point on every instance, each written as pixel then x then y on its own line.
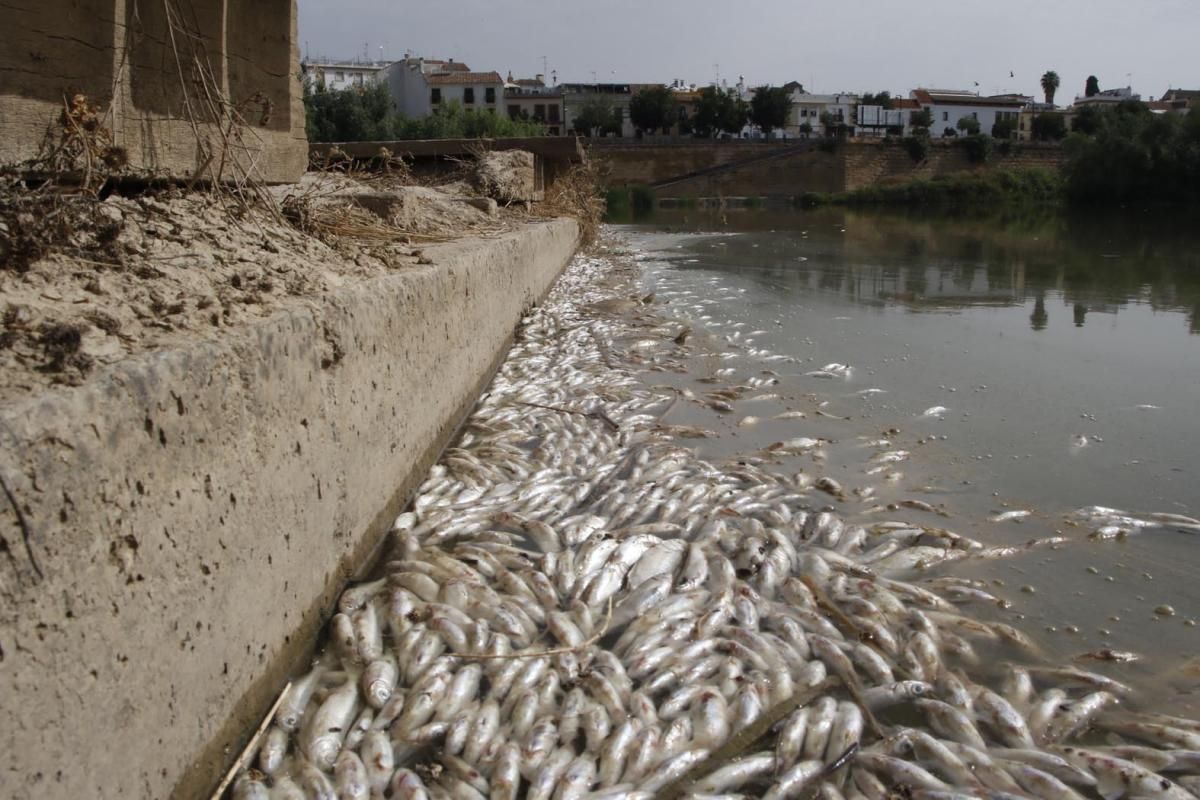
pixel 863 46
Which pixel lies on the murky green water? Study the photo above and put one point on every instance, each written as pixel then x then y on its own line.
pixel 1065 352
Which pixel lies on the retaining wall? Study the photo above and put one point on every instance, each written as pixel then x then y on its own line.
pixel 153 67
pixel 177 528
pixel 853 165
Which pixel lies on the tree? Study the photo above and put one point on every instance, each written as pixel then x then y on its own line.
pixel 1087 120
pixel 652 109
pixel 1003 129
pixel 805 129
pixel 769 107
pixel 1093 86
pixel 883 99
pixel 719 110
pixel 968 125
pixel 1048 127
pixel 922 119
pixel 1050 83
pixel 595 116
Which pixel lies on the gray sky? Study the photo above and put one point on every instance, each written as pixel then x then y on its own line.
pixel 843 45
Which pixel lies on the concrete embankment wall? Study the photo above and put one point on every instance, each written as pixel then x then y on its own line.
pixel 853 165
pixel 176 529
pixel 632 164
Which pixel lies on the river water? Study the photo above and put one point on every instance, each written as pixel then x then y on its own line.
pixel 1066 357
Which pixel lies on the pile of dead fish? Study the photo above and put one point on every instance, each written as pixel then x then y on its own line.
pixel 578 606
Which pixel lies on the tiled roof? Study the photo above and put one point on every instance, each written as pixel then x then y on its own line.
pixel 463 78
pixel 901 103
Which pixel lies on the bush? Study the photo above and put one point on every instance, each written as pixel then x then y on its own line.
pixel 368 114
pixel 978 147
pixel 917 146
pixel 968 125
pixel 964 191
pixel 950 133
pixel 1004 129
pixel 1049 127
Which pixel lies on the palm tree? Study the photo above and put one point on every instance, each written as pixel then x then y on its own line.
pixel 1050 86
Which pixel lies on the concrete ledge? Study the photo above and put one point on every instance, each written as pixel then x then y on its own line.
pixel 176 529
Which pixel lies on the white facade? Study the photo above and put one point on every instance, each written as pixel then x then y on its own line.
pixel 947 107
pixel 878 121
pixel 809 108
pixel 1109 97
pixel 418 86
pixel 338 75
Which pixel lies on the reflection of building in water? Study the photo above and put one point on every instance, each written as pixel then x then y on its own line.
pixel 1080 314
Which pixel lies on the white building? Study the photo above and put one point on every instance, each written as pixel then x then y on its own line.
pixel 877 121
pixel 338 75
pixel 810 109
pixel 948 106
pixel 531 99
pixel 419 86
pixel 1107 98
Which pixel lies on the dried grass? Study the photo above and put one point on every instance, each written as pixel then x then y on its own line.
pixel 576 193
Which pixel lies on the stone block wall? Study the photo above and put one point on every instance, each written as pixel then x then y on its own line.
pixel 872 163
pixel 165 72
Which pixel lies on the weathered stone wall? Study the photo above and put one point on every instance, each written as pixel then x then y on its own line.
pixel 176 529
pixel 143 62
pixel 871 163
pixel 635 164
pixel 852 166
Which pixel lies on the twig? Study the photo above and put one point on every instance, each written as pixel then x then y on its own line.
pixel 26 533
pixel 250 747
pixel 554 651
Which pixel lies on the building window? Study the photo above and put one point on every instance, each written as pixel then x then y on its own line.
pixel 339 76
pixel 358 79
pixel 554 113
pixel 489 94
pixel 469 95
pixel 539 112
pixel 514 112
pixel 435 96
pixel 945 116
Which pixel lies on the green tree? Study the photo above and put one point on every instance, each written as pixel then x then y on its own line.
pixel 1093 86
pixel 1136 157
pixel 1087 120
pixel 968 125
pixel 653 109
pixel 769 107
pixel 805 129
pixel 1050 127
pixel 1050 84
pixel 922 119
pixel 1004 129
pixel 883 99
pixel 596 116
pixel 719 110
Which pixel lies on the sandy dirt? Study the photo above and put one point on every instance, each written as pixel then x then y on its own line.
pixel 85 282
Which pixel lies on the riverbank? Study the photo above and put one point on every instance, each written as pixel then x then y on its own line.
pixel 964 193
pixel 219 442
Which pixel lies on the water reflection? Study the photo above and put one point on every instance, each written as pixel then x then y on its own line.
pixel 1087 265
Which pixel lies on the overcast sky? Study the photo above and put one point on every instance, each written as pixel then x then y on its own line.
pixel 834 45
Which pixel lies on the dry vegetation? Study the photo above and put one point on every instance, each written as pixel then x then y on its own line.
pixel 94 268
